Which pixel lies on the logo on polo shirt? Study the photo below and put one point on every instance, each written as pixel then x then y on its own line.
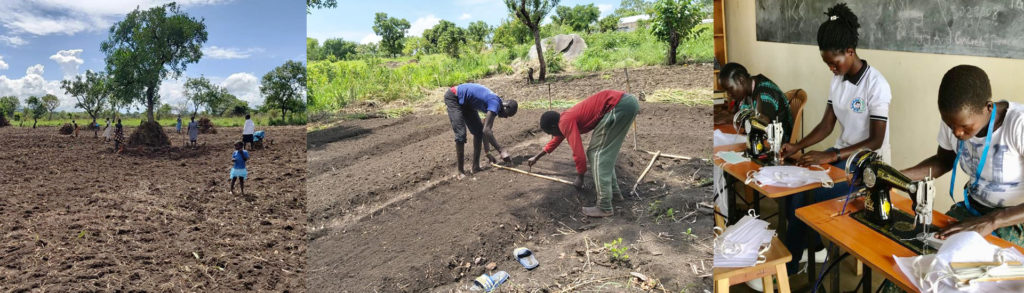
pixel 857 105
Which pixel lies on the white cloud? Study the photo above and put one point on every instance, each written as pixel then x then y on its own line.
pixel 68 61
pixel 245 86
pixel 229 53
pixel 61 17
pixel 421 24
pixel 33 84
pixel 370 38
pixel 13 41
pixel 605 8
pixel 465 16
pixel 3 65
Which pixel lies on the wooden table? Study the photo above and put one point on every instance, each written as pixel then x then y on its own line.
pixel 867 245
pixel 777 257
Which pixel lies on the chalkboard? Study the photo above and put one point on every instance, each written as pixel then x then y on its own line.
pixel 992 28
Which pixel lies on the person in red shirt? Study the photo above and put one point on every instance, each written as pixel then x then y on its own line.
pixel 608 113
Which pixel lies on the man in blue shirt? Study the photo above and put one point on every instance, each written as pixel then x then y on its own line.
pixel 463 102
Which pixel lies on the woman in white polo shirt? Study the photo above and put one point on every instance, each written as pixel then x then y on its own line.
pixel 858 100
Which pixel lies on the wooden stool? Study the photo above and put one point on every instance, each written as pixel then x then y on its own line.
pixel 777 256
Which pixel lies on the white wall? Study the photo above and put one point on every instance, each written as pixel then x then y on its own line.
pixel 914 79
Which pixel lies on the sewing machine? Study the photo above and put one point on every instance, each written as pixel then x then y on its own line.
pixel 879 179
pixel 758 133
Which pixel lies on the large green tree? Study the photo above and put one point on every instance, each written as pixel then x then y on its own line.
pixel 449 38
pixel 608 23
pixel 392 31
pixel 672 22
pixel 578 17
pixel 313 50
pixel 51 102
pixel 9 104
pixel 149 46
pixel 36 107
pixel 511 32
pixel 284 88
pixel 531 13
pixel 90 91
pixel 479 31
pixel 202 93
pixel 340 49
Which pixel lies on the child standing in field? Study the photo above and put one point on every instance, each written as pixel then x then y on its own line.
pixel 107 131
pixel 75 125
pixel 239 157
pixel 193 131
pixel 119 137
pixel 178 125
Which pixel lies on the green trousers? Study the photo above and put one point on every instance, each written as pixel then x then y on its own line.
pixel 605 142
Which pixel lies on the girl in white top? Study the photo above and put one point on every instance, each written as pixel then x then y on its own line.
pixel 858 100
pixel 981 133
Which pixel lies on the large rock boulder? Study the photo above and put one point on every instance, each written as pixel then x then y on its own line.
pixel 571 46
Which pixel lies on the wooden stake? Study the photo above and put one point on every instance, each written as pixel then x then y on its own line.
pixel 669 155
pixel 549 97
pixel 644 173
pixel 532 174
pixel 629 89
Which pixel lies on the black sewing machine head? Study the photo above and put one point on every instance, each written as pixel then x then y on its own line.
pixel 764 139
pixel 879 179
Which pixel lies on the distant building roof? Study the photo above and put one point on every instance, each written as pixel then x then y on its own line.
pixel 634 18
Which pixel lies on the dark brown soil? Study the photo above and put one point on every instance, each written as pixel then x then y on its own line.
pixel 386 214
pixel 206 126
pixel 149 134
pixel 66 129
pixel 81 218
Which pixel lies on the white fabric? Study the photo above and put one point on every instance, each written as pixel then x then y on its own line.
pixel 249 127
pixel 732 157
pixel 721 195
pixel 1000 184
pixel 743 244
pixel 856 104
pixel 722 138
pixel 789 176
pixel 930 272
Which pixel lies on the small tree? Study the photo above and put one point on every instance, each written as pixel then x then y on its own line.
pixel 392 31
pixel 164 111
pixel 340 49
pixel 201 92
pixel 608 23
pixel 578 17
pixel 90 91
pixel 479 31
pixel 672 22
pixel 9 104
pixel 511 33
pixel 285 88
pixel 530 13
pixel 37 108
pixel 51 103
pixel 313 50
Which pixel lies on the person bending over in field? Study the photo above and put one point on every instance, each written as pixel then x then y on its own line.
pixel 608 113
pixel 463 102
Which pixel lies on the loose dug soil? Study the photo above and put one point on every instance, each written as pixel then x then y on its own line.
pixel 149 134
pixel 76 217
pixel 206 127
pixel 386 214
pixel 66 129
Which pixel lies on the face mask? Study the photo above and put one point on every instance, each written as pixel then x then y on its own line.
pixel 732 157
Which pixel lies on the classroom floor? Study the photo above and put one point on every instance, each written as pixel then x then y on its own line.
pixel 848 278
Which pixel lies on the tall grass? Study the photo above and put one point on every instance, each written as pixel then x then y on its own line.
pixel 613 50
pixel 334 85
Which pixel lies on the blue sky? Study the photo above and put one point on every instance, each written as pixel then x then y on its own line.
pixel 45 41
pixel 353 20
